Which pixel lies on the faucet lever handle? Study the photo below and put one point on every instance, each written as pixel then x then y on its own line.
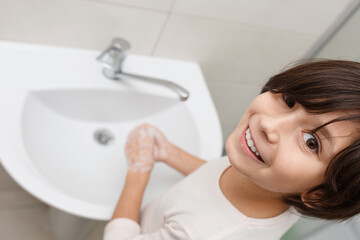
pixel 113 56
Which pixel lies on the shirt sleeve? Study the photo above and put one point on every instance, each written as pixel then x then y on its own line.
pixel 127 229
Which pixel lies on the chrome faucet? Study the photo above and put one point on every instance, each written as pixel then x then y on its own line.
pixel 113 58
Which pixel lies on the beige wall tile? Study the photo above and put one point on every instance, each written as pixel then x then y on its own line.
pixel 231 101
pixel 345 43
pixel 6 182
pixel 11 199
pixel 304 16
pixel 29 224
pixel 160 5
pixel 97 231
pixel 231 53
pixel 80 24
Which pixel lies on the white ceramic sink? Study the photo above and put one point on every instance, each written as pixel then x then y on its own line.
pixel 53 101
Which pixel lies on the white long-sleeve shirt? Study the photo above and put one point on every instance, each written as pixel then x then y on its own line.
pixel 195 208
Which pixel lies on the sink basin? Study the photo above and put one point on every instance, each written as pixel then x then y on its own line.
pixel 98 105
pixel 64 122
pixel 50 117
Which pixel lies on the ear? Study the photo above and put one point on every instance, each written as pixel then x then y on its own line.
pixel 307 197
pixel 303 199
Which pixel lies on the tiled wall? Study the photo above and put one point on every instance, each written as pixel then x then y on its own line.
pixel 345 43
pixel 238 43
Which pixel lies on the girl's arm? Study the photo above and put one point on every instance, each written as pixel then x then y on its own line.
pixel 129 203
pixel 180 160
pixel 139 152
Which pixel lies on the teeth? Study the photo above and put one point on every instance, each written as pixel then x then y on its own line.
pixel 250 143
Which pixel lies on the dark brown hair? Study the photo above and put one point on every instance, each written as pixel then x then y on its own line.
pixel 323 86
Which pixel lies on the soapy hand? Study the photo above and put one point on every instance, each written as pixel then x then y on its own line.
pixel 145 145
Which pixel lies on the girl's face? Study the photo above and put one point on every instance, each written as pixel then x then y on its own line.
pixel 291 159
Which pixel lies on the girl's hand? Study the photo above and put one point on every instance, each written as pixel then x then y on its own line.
pixel 151 145
pixel 148 139
pixel 139 149
pixel 163 148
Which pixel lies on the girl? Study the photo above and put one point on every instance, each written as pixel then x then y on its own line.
pixel 295 150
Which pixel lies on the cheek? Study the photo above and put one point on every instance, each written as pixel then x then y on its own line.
pixel 299 174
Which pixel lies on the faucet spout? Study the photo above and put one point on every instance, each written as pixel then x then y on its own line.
pixel 112 59
pixel 179 90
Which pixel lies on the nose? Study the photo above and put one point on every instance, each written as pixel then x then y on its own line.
pixel 272 126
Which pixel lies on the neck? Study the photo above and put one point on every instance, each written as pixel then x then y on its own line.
pixel 248 197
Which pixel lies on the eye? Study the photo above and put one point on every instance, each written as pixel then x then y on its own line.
pixel 311 142
pixel 289 101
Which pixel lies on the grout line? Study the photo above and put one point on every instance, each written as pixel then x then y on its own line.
pixel 247 25
pixel 21 207
pixel 162 28
pixel 331 31
pixel 127 5
pixel 234 82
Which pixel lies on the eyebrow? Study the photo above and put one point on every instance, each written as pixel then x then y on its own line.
pixel 325 132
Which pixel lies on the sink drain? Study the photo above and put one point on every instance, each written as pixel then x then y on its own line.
pixel 103 137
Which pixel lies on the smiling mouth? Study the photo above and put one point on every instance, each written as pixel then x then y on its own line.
pixel 251 145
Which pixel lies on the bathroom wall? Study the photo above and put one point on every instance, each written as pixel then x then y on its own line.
pixel 238 43
pixel 345 42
